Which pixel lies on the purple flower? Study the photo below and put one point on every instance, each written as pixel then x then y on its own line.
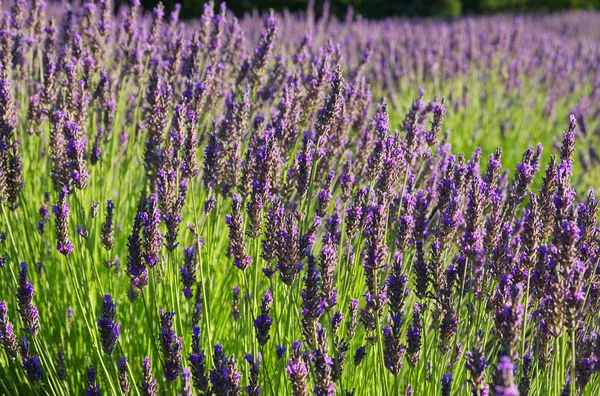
pixel 197 360
pixel 31 364
pixel 413 335
pixel 61 212
pixel 297 370
pixel 8 339
pixel 108 328
pixel 123 376
pixel 263 322
pixel 253 389
pixel 235 303
pixel 93 388
pixel 328 263
pixel 359 355
pixel 61 371
pixel 503 381
pixel 476 364
pixel 28 311
pixel 148 385
pixel 188 271
pixel 152 236
pixel 225 378
pixel 171 345
pixel 280 351
pixel 323 363
pixel 313 305
pixel 237 245
pixel 108 231
pixel 446 384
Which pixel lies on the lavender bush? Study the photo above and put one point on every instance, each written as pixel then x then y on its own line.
pixel 281 204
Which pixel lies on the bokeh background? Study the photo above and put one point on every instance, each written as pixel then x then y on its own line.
pixel 385 8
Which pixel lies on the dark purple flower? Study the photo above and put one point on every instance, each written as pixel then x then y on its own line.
pixel 108 328
pixel 280 351
pixel 235 303
pixel 237 245
pixel 413 335
pixel 476 364
pixel 61 212
pixel 253 389
pixel 197 360
pixel 225 378
pixel 148 385
pixel 61 370
pixel 503 381
pixel 188 271
pixel 323 363
pixel 93 388
pixel 446 384
pixel 108 230
pixel 263 322
pixel 313 305
pixel 525 383
pixel 28 311
pixel 123 375
pixel 359 355
pixel 8 339
pixel 171 345
pixel 297 371
pixel 152 236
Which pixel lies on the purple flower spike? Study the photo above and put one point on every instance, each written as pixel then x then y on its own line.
pixel 171 345
pixel 61 212
pixel 108 328
pixel 188 271
pixel 123 375
pixel 253 389
pixel 8 339
pixel 446 384
pixel 297 370
pixel 225 378
pixel 152 236
pixel 28 311
pixel 237 245
pixel 148 385
pixel 503 381
pixel 263 322
pixel 93 388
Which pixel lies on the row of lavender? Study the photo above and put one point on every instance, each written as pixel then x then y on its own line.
pixel 264 206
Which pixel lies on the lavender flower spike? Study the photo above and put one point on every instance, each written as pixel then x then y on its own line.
pixel 297 371
pixel 108 328
pixel 61 211
pixel 504 384
pixel 263 322
pixel 188 271
pixel 237 246
pixel 8 339
pixel 108 231
pixel 152 236
pixel 93 388
pixel 171 345
pixel 148 386
pixel 123 376
pixel 28 311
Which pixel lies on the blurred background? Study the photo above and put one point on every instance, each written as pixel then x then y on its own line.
pixel 384 8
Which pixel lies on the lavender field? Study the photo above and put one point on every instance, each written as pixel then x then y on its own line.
pixel 295 204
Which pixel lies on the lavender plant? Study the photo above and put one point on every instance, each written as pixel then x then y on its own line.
pixel 315 219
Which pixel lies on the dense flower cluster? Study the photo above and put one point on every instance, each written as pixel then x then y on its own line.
pixel 310 228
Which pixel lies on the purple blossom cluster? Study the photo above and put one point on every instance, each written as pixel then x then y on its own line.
pixel 398 264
